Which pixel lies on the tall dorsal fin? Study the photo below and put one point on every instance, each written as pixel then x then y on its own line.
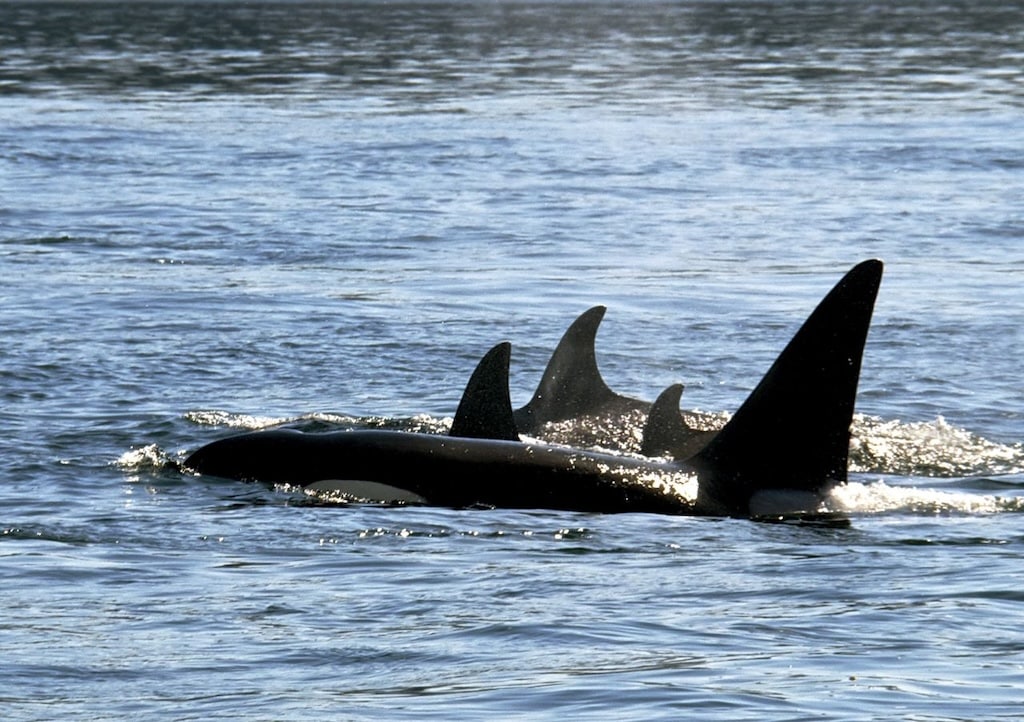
pixel 793 431
pixel 572 385
pixel 485 411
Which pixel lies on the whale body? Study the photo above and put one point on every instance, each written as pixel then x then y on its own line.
pixel 788 440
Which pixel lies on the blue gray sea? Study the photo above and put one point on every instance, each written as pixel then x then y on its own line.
pixel 223 216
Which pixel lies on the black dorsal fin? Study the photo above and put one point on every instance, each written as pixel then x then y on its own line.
pixel 793 431
pixel 665 427
pixel 485 411
pixel 667 432
pixel 572 384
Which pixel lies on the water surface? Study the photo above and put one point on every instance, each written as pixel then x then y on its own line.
pixel 217 216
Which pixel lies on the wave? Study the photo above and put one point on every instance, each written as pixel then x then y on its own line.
pixel 320 422
pixel 880 497
pixel 933 449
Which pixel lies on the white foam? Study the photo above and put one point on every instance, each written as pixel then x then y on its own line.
pixel 237 421
pixel 878 497
pixel 931 448
pixel 150 456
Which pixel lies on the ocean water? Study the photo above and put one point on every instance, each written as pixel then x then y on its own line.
pixel 223 216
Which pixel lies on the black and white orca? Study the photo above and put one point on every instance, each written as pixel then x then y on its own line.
pixel 781 452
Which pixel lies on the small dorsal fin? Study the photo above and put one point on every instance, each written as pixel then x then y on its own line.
pixel 664 427
pixel 793 431
pixel 572 385
pixel 667 432
pixel 485 411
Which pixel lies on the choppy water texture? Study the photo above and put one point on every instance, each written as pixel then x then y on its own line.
pixel 217 216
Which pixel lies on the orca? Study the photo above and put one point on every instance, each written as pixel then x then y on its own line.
pixel 669 433
pixel 572 385
pixel 788 441
pixel 572 391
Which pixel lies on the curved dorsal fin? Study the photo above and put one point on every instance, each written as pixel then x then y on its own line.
pixel 572 385
pixel 664 427
pixel 485 411
pixel 667 432
pixel 793 431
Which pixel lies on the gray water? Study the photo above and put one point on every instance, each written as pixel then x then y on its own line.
pixel 221 216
